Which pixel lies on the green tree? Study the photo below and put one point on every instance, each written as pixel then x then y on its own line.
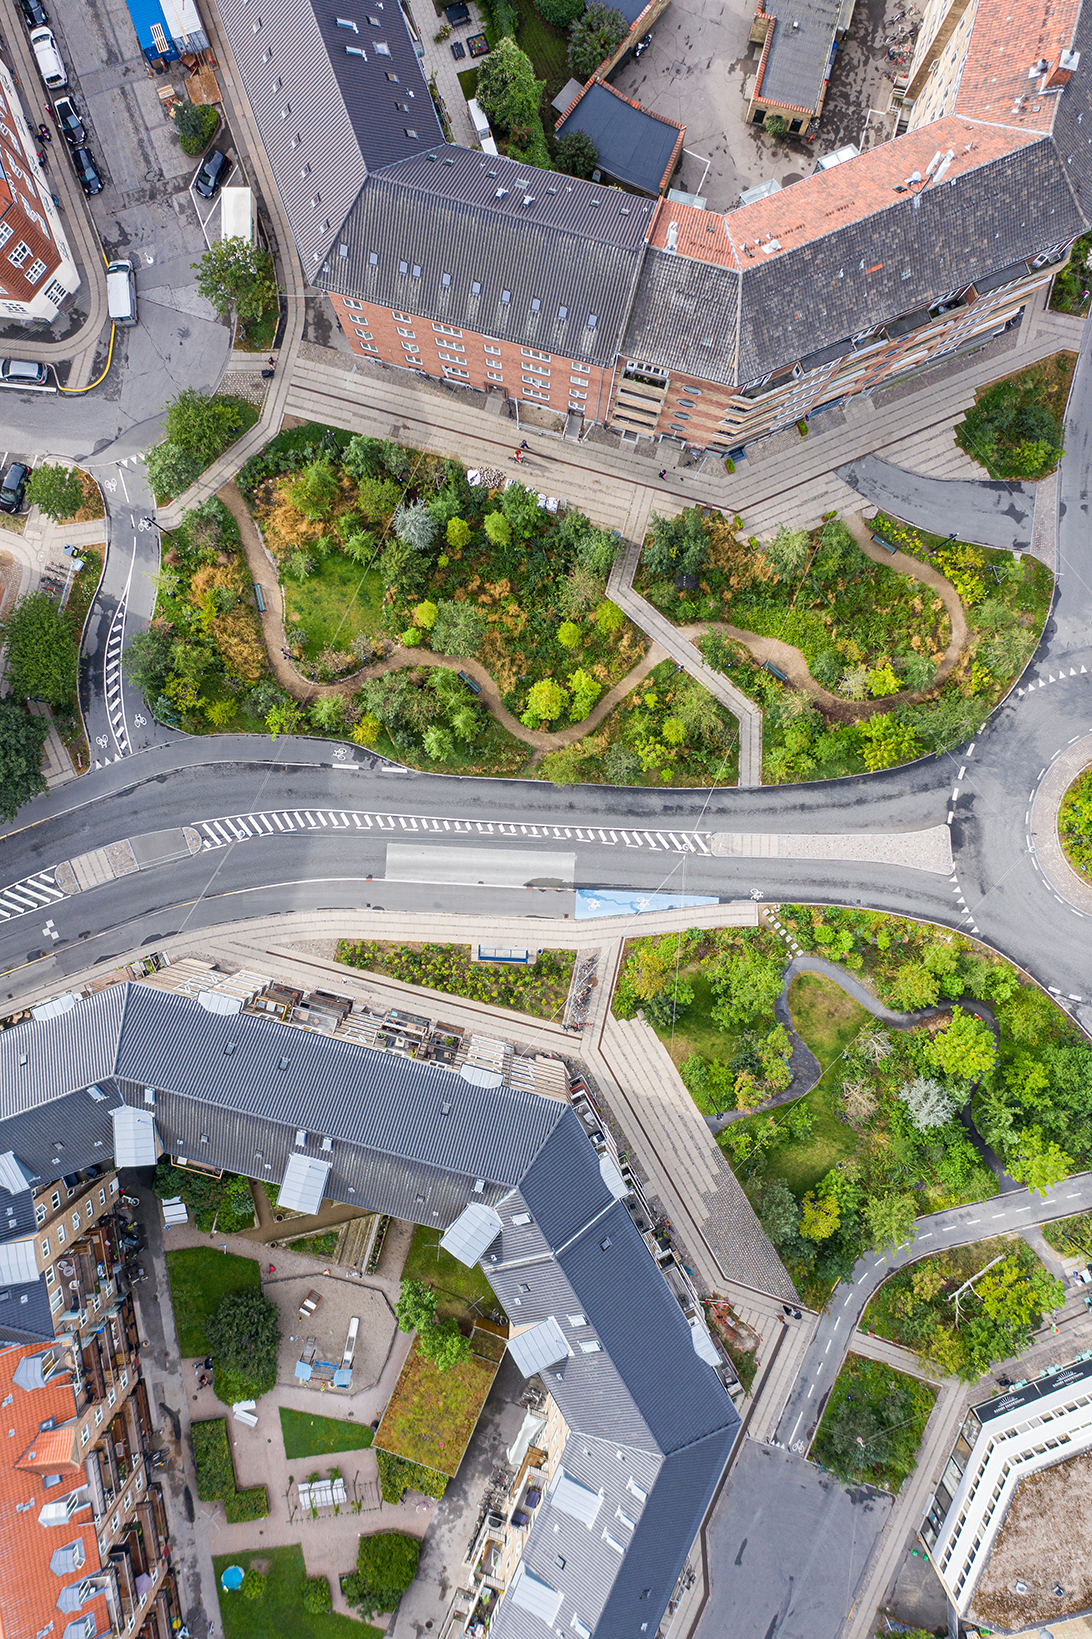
pixel 497 528
pixel 929 1104
pixel 594 37
pixel 459 533
pixel 41 651
pixel 171 469
pixel 21 740
pixel 443 1345
pixel 200 424
pixel 386 1564
pixel 507 89
pixel 576 153
pixel 465 724
pixel 779 1213
pixel 424 615
pixel 283 719
pixel 243 1337
pixel 459 629
pixel 1037 1161
pixel 234 274
pixel 889 1220
pixel 966 1049
pixel 887 741
pixel 415 1309
pixel 546 701
pixel 439 743
pixel 328 712
pixel 788 551
pixel 55 490
pixel 882 680
pixel 821 1216
pixel 776 125
pixel 568 634
pixel 147 659
pixel 676 546
pixel 585 692
pixel 609 619
pixel 520 506
pixel 196 124
pixel 314 491
pixel 415 525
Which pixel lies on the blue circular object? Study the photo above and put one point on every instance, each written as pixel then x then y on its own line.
pixel 232 1578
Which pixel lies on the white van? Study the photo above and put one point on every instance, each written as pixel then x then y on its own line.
pixel 121 300
pixel 50 65
pixel 481 127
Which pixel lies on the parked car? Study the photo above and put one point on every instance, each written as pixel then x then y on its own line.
pixel 90 180
pixel 13 489
pixel 23 373
pixel 68 119
pixel 211 174
pixel 35 14
pixel 48 58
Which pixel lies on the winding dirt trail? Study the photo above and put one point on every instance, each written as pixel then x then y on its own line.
pixel 785 656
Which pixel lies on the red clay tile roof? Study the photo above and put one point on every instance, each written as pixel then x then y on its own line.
pixel 53 1451
pixel 28 1587
pixel 1009 38
pixel 830 200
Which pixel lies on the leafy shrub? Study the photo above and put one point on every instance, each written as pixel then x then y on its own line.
pixel 576 153
pixel 196 125
pixel 397 1476
pixel 247 1505
pixel 244 1335
pixel 595 37
pixel 386 1564
pixel 253 1584
pixel 559 12
pixel 212 1459
pixel 316 1595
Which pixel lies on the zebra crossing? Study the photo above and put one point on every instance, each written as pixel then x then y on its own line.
pixel 112 681
pixel 31 894
pixel 220 833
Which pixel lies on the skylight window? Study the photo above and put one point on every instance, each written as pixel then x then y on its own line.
pixel 506 297
pixel 403 268
pixel 592 322
pixel 373 258
pixel 410 132
pixel 475 288
pixel 347 22
pixel 416 270
pixel 562 314
pixel 393 78
pixel 445 280
pixel 382 48
pixel 535 304
pixel 356 51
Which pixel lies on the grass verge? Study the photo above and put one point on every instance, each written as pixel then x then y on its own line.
pixel 200 1277
pixel 280 1613
pixel 305 1435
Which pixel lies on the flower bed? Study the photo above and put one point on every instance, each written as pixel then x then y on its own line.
pixel 1075 824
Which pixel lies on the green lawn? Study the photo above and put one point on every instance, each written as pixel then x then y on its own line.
pixel 456 1286
pixel 828 1020
pixel 548 49
pixel 336 603
pixel 200 1276
pixel 1071 1236
pixel 309 1436
pixel 280 1613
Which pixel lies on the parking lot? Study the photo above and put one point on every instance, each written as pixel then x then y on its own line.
pixel 700 70
pixel 145 212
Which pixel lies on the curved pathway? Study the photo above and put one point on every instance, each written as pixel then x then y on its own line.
pixel 989 513
pixel 262 572
pixel 860 993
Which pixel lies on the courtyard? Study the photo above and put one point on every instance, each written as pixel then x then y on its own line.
pixel 700 70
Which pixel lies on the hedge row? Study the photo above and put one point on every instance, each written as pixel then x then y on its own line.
pixel 397 1476
pixel 216 1474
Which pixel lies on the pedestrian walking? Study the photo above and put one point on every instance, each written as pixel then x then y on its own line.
pixel 663 472
pixel 524 445
pixel 518 457
pixel 272 361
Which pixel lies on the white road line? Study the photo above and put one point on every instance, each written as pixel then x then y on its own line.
pixel 829 1342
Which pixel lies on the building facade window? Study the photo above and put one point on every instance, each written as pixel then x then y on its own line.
pixel 19 255
pixel 35 271
pixel 530 353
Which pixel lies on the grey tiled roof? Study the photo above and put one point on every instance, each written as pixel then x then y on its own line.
pixel 911 253
pixel 796 65
pixel 642 1408
pixel 576 246
pixel 1072 128
pixel 685 316
pixel 327 116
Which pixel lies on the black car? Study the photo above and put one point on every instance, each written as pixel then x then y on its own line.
pixel 36 15
pixel 13 488
pixel 90 180
pixel 211 174
pixel 68 119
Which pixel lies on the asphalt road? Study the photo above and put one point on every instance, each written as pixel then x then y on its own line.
pixel 993 514
pixel 1004 1214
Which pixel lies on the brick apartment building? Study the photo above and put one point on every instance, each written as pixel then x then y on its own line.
pixel 37 272
pixel 654 317
pixel 83 1532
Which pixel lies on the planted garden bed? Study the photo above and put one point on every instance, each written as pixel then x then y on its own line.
pixel 432 1414
pixel 873 1424
pixel 539 988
